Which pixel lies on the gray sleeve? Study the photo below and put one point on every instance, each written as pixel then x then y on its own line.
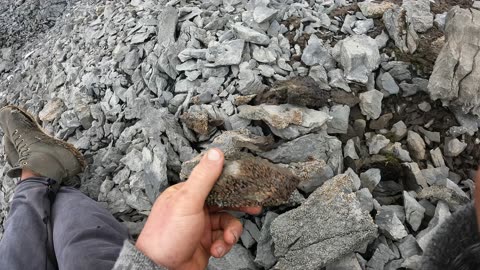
pixel 131 258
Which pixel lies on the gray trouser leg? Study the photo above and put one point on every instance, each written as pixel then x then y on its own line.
pixel 26 242
pixel 85 234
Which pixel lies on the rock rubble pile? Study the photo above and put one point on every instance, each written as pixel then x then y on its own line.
pixel 326 110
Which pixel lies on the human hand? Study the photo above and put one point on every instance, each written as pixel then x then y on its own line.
pixel 181 231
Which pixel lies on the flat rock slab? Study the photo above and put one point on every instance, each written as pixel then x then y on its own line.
pixel 328 226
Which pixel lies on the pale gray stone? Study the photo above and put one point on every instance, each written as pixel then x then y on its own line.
pixel 377 143
pixel 370 178
pixel 359 56
pixel 442 212
pixel 401 153
pixel 347 262
pixel 408 247
pixel 265 256
pixel 418 14
pixel 349 150
pixel 390 224
pixel 316 53
pixel 454 148
pixel 262 14
pixel 339 119
pixel 365 198
pixel 399 130
pixel 237 259
pixel 371 103
pixel 382 255
pixel 319 74
pixel 250 35
pixel 337 80
pixel 437 157
pixel 413 211
pixel 387 83
pixel 363 26
pixel 416 145
pixel 227 53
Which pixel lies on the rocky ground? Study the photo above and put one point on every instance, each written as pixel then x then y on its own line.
pixel 367 111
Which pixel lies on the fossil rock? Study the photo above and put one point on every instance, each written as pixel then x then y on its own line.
pixel 248 181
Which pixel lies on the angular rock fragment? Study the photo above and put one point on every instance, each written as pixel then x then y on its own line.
pixel 265 256
pixel 339 122
pixel 370 179
pixel 348 262
pixel 52 110
pixel 316 53
pixel 375 10
pixel 377 143
pixel 250 35
pixel 199 120
pixel 413 211
pixel 312 146
pixel 371 103
pixel 418 14
pixel 416 145
pixel 445 194
pixel 313 173
pixel 403 35
pixel 225 54
pixel 286 121
pixel 382 255
pixel 359 56
pixel 390 224
pixel 329 225
pixel 302 91
pixel 441 214
pixel 337 80
pixel 454 148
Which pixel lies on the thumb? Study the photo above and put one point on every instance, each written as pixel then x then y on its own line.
pixel 204 176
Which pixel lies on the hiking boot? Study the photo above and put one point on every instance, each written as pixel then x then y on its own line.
pixel 36 150
pixel 10 151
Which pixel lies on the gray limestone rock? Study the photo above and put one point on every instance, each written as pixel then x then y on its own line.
pixel 319 146
pixel 339 119
pixel 418 14
pixel 401 153
pixel 408 247
pixel 441 214
pixel 313 174
pixel 382 255
pixel 448 82
pixel 262 14
pixel 52 110
pixel 387 83
pixel 286 121
pixel 363 26
pixel 389 223
pixel 365 198
pixel 413 211
pixel 227 53
pixel 347 262
pixel 333 226
pixel 370 179
pixel 415 178
pixel 316 53
pixel 337 80
pixel 250 35
pixel 371 103
pixel 265 256
pixel 454 148
pixel 432 175
pixel 416 145
pixel 377 143
pixel 437 157
pixel 359 56
pixel 319 75
pixel 399 130
pixel 350 151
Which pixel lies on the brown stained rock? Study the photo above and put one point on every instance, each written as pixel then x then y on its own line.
pixel 249 181
pixel 197 122
pixel 303 91
pixel 243 100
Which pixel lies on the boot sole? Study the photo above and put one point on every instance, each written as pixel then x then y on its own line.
pixel 68 146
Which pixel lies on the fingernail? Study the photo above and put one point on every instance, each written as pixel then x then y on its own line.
pixel 235 236
pixel 220 251
pixel 213 155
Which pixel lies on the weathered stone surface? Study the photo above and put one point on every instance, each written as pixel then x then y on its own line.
pixel 416 145
pixel 454 148
pixel 234 141
pixel 371 103
pixel 348 262
pixel 333 226
pixel 382 255
pixel 227 53
pixel 359 56
pixel 313 173
pixel 372 9
pixel 339 119
pixel 319 146
pixel 389 223
pixel 52 110
pixel 441 214
pixel 286 121
pixel 455 75
pixel 418 14
pixel 370 179
pixel 315 53
pixel 250 35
